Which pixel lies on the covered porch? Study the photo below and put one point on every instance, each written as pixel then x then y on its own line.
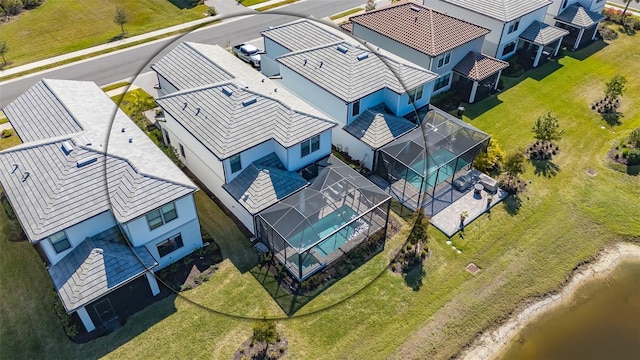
pixel 479 74
pixel 541 42
pixel 581 23
pixel 98 266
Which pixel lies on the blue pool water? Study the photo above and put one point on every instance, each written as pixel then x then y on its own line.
pixel 433 178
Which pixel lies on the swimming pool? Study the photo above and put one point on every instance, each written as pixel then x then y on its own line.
pixel 441 159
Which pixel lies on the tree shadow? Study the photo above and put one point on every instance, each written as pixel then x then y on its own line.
pixel 546 168
pixel 612 118
pixel 546 69
pixel 413 278
pixel 117 37
pixel 512 204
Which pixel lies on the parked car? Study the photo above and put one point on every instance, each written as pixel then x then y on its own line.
pixel 248 53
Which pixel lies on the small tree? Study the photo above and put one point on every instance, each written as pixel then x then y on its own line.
pixel 418 234
pixel 547 128
pixel 371 4
pixel 514 166
pixel 4 48
pixel 491 159
pixel 265 331
pixel 634 138
pixel 120 18
pixel 623 18
pixel 615 87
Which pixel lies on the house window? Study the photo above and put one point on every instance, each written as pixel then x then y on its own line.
pixel 564 4
pixel 444 59
pixel 166 135
pixel 513 26
pixel 182 151
pixel 441 82
pixel 170 245
pixel 236 164
pixel 59 242
pixel 355 110
pixel 415 94
pixel 509 48
pixel 309 146
pixel 161 216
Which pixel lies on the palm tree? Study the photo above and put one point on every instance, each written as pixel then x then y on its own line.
pixel 624 12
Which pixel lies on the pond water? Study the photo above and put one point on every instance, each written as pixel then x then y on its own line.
pixel 602 321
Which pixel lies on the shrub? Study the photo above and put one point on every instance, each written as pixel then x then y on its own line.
pixel 186 287
pixel 265 331
pixel 634 138
pixel 211 11
pixel 634 157
pixel 65 319
pixel 5 133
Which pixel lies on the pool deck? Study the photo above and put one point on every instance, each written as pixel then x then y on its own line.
pixel 448 219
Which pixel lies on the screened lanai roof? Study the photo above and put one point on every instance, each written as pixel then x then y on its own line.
pixel 339 193
pixel 439 130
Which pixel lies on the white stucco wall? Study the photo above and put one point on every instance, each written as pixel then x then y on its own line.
pixel 554 9
pixel 354 147
pixel 525 21
pixel 77 233
pixel 268 64
pixel 324 101
pixel 165 86
pixel 295 162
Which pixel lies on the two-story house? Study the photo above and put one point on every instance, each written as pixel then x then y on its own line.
pixel 104 206
pixel 580 18
pixel 441 43
pixel 365 89
pixel 508 21
pixel 243 135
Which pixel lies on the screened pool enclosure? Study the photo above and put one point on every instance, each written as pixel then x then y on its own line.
pixel 317 225
pixel 430 157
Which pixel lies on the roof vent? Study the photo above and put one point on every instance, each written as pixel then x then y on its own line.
pixel 67 148
pixel 414 8
pixel 184 106
pixel 130 140
pixel 227 91
pixel 363 56
pixel 122 130
pixel 243 85
pixel 249 102
pixel 83 140
pixel 342 49
pixel 197 111
pixel 262 79
pixel 15 167
pixel 415 20
pixel 25 176
pixel 321 62
pixel 304 63
pixel 275 90
pixel 87 160
pixel 97 251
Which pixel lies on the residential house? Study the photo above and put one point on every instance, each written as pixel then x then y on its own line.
pixel 367 91
pixel 446 45
pixel 580 17
pixel 264 153
pixel 102 204
pixel 507 20
pixel 243 135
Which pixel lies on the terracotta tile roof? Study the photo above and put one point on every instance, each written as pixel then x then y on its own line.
pixel 542 34
pixel 347 27
pixel 478 67
pixel 577 15
pixel 421 28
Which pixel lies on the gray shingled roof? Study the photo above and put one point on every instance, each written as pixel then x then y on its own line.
pixel 503 10
pixel 542 34
pixel 41 100
pixel 577 15
pixel 355 73
pixel 263 183
pixel 300 35
pixel 228 118
pixel 97 266
pixel 57 193
pixel 188 66
pixel 376 128
pixel 478 67
pixel 421 28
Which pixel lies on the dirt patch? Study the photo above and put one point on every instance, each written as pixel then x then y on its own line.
pixel 261 350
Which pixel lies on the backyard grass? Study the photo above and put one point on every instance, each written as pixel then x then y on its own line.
pixel 10 141
pixel 563 220
pixel 86 23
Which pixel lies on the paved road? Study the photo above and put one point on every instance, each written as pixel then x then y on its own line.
pixel 130 62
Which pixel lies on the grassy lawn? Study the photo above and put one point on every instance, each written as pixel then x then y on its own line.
pixel 345 13
pixel 86 23
pixel 10 141
pixel 563 221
